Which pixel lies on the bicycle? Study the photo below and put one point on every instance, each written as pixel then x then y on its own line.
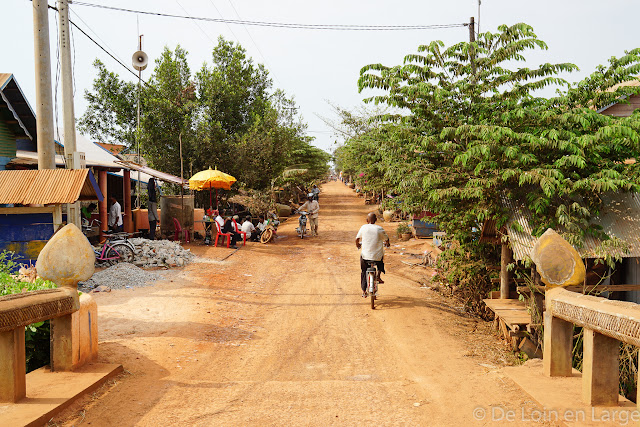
pixel 372 282
pixel 116 248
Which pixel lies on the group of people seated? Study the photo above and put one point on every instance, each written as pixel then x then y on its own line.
pixel 231 225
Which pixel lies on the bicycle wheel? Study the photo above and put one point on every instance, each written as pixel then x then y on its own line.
pixel 266 236
pixel 121 253
pixel 371 288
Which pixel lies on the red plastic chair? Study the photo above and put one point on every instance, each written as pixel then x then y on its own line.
pixel 220 233
pixel 244 234
pixel 179 230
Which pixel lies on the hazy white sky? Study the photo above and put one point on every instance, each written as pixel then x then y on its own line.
pixel 315 66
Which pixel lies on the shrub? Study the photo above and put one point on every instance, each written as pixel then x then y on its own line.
pixel 403 228
pixel 37 334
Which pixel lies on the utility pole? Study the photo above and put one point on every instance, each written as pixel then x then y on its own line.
pixel 472 29
pixel 68 115
pixel 140 68
pixel 44 100
pixel 472 39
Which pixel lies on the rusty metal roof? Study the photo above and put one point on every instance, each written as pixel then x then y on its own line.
pixel 4 78
pixel 620 218
pixel 47 186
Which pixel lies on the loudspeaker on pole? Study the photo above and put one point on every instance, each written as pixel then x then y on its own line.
pixel 140 60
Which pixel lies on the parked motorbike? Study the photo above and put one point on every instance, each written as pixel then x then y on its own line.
pixel 270 231
pixel 302 224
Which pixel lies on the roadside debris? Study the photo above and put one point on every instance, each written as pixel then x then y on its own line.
pixel 160 253
pixel 120 276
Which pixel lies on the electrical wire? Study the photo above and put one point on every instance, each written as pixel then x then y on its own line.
pixel 90 29
pixel 332 27
pixel 197 25
pixel 251 37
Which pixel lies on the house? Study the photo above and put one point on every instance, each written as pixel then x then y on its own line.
pixel 17 120
pixel 623 109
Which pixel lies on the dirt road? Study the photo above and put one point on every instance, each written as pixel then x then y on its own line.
pixel 278 334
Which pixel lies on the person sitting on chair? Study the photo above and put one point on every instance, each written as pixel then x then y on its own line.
pixel 218 218
pixel 229 228
pixel 250 229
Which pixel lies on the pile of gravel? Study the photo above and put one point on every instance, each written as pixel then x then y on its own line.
pixel 160 253
pixel 120 276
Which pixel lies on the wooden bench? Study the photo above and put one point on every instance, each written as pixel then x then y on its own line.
pixel 512 318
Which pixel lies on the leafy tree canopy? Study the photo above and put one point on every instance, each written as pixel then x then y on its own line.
pixel 225 115
pixel 467 130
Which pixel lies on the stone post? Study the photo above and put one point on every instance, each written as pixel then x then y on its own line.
pixel 13 386
pixel 600 369
pixel 62 343
pixel 558 343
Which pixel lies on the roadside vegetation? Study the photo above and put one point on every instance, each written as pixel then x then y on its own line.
pixel 464 131
pixel 36 334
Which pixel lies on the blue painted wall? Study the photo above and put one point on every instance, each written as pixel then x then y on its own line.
pixel 25 234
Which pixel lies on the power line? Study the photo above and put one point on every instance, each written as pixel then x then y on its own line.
pixel 203 31
pixel 298 26
pixel 251 37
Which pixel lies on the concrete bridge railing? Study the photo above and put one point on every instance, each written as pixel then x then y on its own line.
pixel 606 323
pixel 20 310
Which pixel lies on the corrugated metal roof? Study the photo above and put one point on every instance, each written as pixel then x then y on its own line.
pixel 620 218
pixel 47 186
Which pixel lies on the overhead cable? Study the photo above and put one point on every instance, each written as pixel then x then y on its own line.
pixel 297 26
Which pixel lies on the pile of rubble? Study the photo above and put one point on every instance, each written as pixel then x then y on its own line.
pixel 120 276
pixel 160 253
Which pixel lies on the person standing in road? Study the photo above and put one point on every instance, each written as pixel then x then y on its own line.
pixel 316 191
pixel 312 207
pixel 371 239
pixel 115 215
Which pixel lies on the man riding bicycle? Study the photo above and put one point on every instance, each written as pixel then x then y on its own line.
pixel 372 239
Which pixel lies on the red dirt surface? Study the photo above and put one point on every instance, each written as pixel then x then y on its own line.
pixel 279 334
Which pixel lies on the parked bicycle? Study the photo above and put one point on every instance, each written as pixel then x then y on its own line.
pixel 116 248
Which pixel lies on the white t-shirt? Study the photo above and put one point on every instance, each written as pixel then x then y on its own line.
pixel 372 238
pixel 220 221
pixel 247 227
pixel 115 215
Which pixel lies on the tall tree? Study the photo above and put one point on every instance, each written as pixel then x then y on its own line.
pixel 225 116
pixel 481 134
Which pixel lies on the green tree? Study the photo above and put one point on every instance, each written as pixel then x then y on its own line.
pixel 479 134
pixel 170 105
pixel 111 112
pixel 225 117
